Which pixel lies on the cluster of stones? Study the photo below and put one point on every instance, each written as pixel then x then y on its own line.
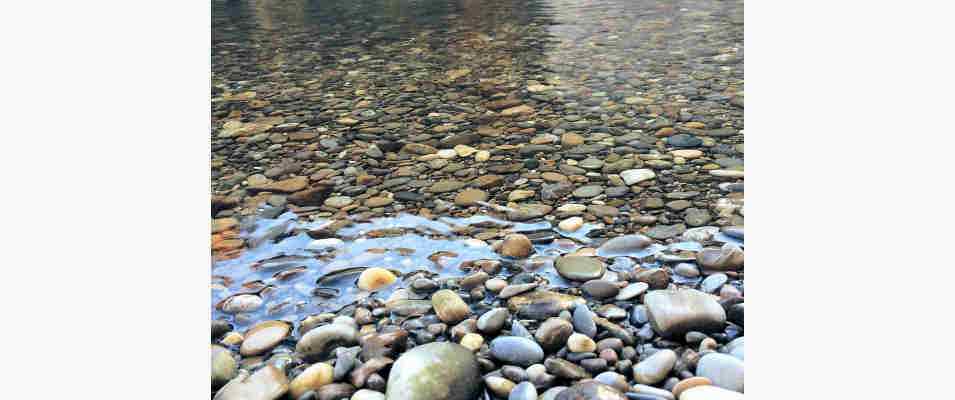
pixel 610 335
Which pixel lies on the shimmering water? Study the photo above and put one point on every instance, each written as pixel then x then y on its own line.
pixel 296 275
pixel 669 52
pixel 285 264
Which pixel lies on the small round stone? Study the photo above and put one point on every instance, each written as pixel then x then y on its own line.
pixel 472 341
pixel 449 306
pixel 579 343
pixel 375 278
pixel 516 245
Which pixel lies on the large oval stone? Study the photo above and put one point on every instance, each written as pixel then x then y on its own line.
pixel 263 337
pixel 579 268
pixel 676 312
pixel 435 371
pixel 516 350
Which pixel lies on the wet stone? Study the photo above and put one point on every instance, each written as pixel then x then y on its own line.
pixel 579 268
pixel 600 289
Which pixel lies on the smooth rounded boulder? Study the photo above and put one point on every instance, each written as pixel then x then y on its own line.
pixel 435 371
pixel 673 313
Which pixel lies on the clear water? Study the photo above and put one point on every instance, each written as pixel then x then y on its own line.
pixel 672 52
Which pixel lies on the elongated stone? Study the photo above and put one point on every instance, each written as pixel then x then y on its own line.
pixel 319 342
pixel 263 337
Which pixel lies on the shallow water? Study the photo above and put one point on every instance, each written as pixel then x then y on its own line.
pixel 288 270
pixel 591 50
pixel 284 270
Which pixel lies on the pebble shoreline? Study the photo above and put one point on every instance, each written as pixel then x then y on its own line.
pixel 479 210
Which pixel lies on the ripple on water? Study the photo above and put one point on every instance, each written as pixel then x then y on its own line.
pixel 283 263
